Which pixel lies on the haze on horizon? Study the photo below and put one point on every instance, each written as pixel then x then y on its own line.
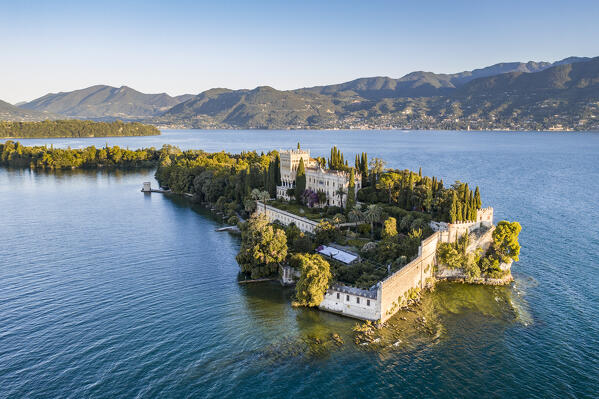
pixel 182 47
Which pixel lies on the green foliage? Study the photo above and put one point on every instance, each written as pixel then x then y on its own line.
pixel 449 256
pixel 314 280
pixel 15 155
pixel 505 240
pixel 262 248
pixel 336 160
pixel 373 215
pixel 477 202
pixel 364 229
pixel 389 228
pixel 297 240
pixel 351 191
pixel 411 191
pixel 74 128
pixel 504 249
pixel 300 179
pixel 326 232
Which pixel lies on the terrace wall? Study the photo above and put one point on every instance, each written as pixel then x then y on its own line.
pixel 392 290
pixel 286 218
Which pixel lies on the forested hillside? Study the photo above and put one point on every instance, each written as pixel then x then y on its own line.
pixel 74 128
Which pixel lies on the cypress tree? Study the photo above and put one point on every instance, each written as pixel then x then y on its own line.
pixel 272 180
pixel 278 170
pixel 460 214
pixel 357 163
pixel 420 172
pixel 466 191
pixel 364 168
pixel 300 179
pixel 471 210
pixel 351 191
pixel 477 200
pixel 453 211
pixel 246 182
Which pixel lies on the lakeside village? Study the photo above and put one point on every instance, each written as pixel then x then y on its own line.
pixel 361 241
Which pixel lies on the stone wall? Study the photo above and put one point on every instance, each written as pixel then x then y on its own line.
pixel 484 218
pixel 273 214
pixel 414 275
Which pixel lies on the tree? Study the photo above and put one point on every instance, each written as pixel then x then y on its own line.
pixel 277 170
pixel 356 215
pixel 449 256
pixel 505 240
pixel 262 247
pixel 321 197
pixel 460 214
pixel 314 280
pixel 377 165
pixel 326 232
pixel 389 228
pixel 477 200
pixel 364 168
pixel 340 193
pixel 260 195
pixel 351 190
pixel 453 212
pixel 300 179
pixel 373 215
pixel 388 182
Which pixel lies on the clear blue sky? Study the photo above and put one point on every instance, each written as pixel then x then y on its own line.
pixel 189 46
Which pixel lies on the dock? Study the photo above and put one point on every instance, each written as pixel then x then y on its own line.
pixel 147 188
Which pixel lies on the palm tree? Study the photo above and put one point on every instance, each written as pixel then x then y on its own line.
pixel 356 215
pixel 340 192
pixel 263 196
pixel 373 215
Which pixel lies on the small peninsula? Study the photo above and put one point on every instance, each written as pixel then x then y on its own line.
pixel 74 128
pixel 362 241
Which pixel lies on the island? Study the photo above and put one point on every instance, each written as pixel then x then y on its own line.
pixel 362 241
pixel 74 128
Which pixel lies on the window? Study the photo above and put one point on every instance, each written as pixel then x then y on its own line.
pixel 337 295
pixel 347 298
pixel 357 299
pixel 368 302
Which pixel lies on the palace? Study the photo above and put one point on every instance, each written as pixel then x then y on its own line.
pixel 317 178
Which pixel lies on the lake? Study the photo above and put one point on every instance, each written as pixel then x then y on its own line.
pixel 107 292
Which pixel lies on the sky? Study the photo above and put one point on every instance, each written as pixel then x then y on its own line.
pixel 182 47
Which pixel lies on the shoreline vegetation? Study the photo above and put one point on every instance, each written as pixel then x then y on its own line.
pixel 74 128
pixel 384 222
pixel 14 154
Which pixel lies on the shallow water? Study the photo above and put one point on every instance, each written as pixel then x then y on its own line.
pixel 107 292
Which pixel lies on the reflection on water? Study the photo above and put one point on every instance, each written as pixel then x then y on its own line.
pixel 105 292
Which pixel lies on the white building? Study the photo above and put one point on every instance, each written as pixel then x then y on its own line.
pixel 317 178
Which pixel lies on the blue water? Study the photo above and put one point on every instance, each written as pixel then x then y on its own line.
pixel 106 292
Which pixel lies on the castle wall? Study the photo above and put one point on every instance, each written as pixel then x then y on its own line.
pixel 273 214
pixel 412 276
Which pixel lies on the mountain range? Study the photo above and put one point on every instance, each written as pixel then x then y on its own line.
pixel 105 102
pixel 520 96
